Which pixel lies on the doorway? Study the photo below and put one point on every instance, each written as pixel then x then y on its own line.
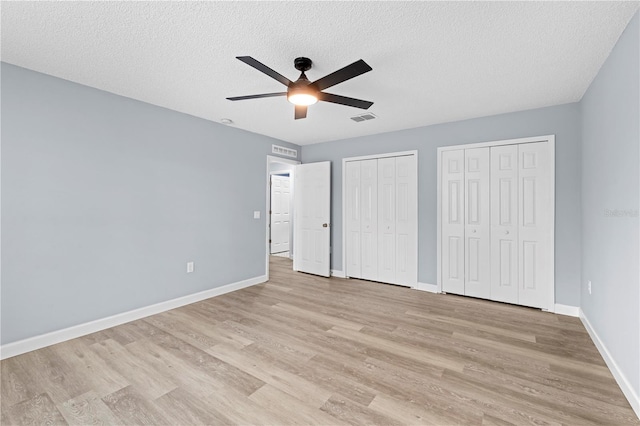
pixel 279 167
pixel 280 216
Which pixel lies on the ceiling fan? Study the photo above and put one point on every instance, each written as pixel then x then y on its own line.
pixel 303 92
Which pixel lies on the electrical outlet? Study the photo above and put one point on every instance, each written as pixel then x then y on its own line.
pixel 189 267
pixel 589 286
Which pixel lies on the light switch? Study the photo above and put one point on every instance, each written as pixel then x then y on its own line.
pixel 256 214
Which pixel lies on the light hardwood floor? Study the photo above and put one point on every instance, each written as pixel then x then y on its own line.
pixel 302 349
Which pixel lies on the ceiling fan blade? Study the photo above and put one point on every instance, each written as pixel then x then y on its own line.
pixel 264 95
pixel 301 112
pixel 343 74
pixel 265 69
pixel 343 100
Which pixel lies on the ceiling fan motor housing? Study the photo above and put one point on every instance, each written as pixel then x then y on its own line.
pixel 302 85
pixel 302 64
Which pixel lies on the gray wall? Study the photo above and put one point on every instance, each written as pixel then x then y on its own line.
pixel 610 179
pixel 105 199
pixel 563 121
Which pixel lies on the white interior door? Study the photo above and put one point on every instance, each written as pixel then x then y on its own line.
pixel 477 228
pixel 452 217
pixel 504 223
pixel 369 221
pixel 387 219
pixel 406 221
pixel 353 219
pixel 312 213
pixel 280 213
pixel 535 201
pixel 518 261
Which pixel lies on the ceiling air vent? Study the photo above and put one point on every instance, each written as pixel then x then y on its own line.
pixel 363 117
pixel 281 150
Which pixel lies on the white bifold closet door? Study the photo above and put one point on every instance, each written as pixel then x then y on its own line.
pixel 497 222
pixel 387 220
pixel 453 277
pixel 381 219
pixel 369 219
pixel 504 223
pixel 362 219
pixel 406 221
pixel 477 244
pixel 352 218
pixel 535 259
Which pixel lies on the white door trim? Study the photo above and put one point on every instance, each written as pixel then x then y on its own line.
pixel 551 140
pixel 272 159
pixel 344 196
pixel 377 156
pixel 547 138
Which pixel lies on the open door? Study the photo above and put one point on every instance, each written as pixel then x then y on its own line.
pixel 312 210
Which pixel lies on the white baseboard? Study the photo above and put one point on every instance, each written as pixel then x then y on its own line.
pixel 624 384
pixel 431 288
pixel 31 344
pixel 337 273
pixel 572 311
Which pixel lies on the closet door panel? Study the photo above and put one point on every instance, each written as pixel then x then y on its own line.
pixel 369 218
pixel 353 222
pixel 504 223
pixel 406 221
pixel 477 224
pixel 452 221
pixel 535 264
pixel 387 219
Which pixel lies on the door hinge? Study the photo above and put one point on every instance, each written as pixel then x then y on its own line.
pixel 269 241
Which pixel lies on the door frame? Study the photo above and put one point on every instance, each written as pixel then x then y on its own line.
pixel 270 160
pixel 343 273
pixel 551 140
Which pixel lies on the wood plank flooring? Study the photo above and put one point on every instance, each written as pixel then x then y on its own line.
pixel 301 349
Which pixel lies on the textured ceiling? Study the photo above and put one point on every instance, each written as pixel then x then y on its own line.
pixel 433 62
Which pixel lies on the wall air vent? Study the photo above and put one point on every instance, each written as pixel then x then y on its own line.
pixel 363 117
pixel 287 152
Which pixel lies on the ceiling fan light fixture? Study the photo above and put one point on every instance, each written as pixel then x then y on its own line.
pixel 302 98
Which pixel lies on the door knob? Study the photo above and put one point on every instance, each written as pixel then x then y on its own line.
pixel 324 225
pixel 506 232
pixel 474 231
